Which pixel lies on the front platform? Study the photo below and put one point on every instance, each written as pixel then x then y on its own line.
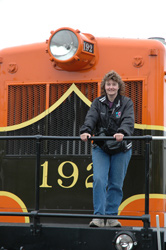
pixel 70 237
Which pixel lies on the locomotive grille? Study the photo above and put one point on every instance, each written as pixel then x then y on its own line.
pixel 28 101
pixel 133 89
pixel 25 102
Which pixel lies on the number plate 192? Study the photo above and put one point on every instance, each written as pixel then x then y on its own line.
pixel 88 47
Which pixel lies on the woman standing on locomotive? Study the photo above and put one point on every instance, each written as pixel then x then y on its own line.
pixel 110 114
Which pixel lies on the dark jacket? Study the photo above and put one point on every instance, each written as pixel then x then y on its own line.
pixel 118 119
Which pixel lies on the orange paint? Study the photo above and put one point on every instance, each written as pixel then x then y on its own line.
pixel 11 203
pixel 135 206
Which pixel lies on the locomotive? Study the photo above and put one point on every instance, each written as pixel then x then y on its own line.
pixel 46 90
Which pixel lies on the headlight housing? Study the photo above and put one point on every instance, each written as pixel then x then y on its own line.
pixel 71 50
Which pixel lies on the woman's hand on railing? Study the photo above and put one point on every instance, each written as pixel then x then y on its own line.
pixel 85 136
pixel 118 136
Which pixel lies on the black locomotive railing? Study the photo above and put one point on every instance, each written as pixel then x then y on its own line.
pixel 36 214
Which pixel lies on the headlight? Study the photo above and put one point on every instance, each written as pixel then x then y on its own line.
pixel 71 50
pixel 125 241
pixel 63 44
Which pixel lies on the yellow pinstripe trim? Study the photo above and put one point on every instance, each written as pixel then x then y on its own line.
pixel 18 200
pixel 149 127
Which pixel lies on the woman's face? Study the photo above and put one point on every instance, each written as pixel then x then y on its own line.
pixel 111 88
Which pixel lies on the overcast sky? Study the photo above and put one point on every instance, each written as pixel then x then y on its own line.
pixel 30 21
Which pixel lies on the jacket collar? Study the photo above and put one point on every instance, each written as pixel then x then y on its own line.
pixel 117 101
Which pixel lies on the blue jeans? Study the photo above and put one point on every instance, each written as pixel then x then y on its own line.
pixel 108 176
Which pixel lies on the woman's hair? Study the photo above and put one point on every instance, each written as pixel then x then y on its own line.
pixel 112 75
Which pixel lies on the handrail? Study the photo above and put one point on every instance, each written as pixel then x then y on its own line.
pixel 43 137
pixel 35 214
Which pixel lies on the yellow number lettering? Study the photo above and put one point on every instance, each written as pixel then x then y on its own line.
pixel 45 175
pixel 87 183
pixel 74 174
